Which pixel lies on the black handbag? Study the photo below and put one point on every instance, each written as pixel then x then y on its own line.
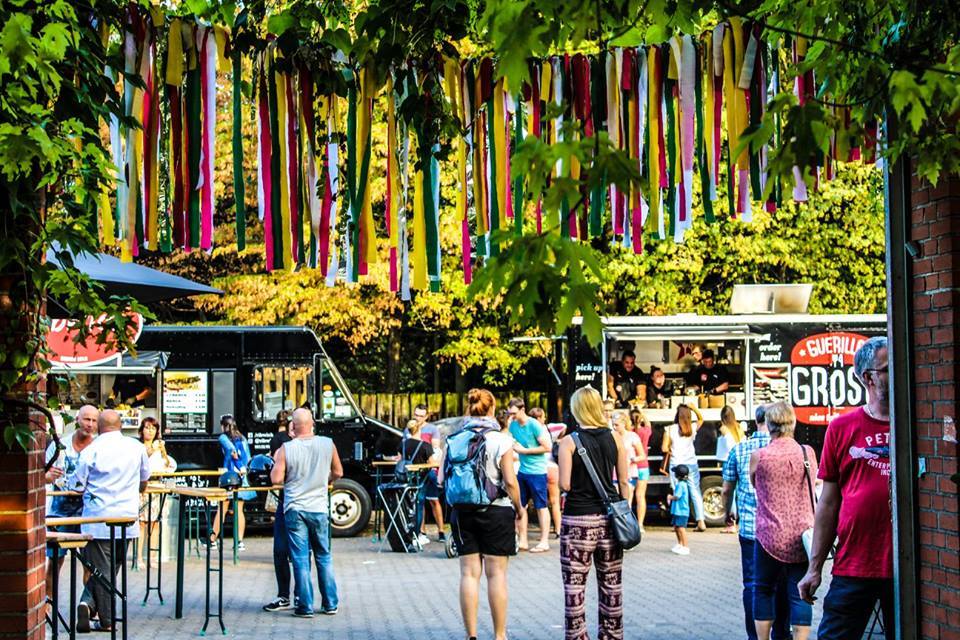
pixel 623 521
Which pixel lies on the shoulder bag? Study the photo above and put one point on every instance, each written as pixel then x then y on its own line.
pixel 807 536
pixel 623 521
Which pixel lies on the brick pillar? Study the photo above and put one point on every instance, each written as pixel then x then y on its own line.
pixel 935 227
pixel 22 544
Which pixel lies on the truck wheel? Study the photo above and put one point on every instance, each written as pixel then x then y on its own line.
pixel 712 488
pixel 350 508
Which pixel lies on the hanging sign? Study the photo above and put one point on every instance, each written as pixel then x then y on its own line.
pixel 823 384
pixel 65 351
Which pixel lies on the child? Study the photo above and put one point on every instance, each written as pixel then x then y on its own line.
pixel 680 509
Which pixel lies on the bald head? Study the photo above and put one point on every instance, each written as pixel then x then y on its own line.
pixel 87 422
pixel 109 421
pixel 302 420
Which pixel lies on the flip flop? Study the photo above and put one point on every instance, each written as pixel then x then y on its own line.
pixel 523 548
pixel 540 548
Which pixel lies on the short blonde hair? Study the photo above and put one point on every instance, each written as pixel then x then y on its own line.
pixel 621 415
pixel 587 407
pixel 781 420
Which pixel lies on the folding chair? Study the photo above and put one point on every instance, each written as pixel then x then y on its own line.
pixel 399 502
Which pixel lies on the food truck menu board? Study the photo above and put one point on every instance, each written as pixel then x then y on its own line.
pixel 185 400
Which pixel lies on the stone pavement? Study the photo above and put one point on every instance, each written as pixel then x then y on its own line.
pixel 386 596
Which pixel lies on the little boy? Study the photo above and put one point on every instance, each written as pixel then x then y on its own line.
pixel 680 509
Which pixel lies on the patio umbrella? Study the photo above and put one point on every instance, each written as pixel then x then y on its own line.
pixel 126 279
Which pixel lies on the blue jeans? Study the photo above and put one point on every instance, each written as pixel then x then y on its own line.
pixel 281 551
pixel 849 605
pixel 781 625
pixel 770 573
pixel 693 480
pixel 310 532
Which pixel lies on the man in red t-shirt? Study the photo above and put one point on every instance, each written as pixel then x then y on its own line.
pixel 855 508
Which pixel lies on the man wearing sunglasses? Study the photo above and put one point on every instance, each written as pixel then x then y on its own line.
pixel 854 508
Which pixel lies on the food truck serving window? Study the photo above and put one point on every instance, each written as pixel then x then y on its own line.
pixel 278 387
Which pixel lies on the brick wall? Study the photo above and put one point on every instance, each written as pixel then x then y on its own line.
pixel 22 544
pixel 936 294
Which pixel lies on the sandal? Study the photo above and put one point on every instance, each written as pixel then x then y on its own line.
pixel 540 548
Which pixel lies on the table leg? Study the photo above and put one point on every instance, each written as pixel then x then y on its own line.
pixel 223 629
pixel 147 547
pixel 236 529
pixel 163 499
pixel 113 584
pixel 181 527
pixel 123 583
pixel 55 588
pixel 73 593
pixel 206 610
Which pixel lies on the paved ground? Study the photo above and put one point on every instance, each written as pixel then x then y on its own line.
pixel 388 596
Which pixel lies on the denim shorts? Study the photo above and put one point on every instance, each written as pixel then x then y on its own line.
pixel 679 521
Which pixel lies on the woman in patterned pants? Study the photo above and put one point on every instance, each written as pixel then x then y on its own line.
pixel 585 535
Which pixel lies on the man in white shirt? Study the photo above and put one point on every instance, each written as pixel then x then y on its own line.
pixel 112 473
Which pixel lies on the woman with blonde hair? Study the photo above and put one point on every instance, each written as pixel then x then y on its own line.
pixel 731 434
pixel 585 534
pixel 644 430
pixel 678 444
pixel 782 473
pixel 486 538
pixel 149 434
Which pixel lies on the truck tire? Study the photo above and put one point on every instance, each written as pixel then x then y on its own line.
pixel 350 508
pixel 712 489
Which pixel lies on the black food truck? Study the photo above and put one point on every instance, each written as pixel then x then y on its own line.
pixel 800 358
pixel 252 373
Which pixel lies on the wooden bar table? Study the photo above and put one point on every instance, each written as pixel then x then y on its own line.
pixel 72 543
pixel 209 495
pixel 113 523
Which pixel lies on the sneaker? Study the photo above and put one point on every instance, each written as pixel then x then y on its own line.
pixel 684 551
pixel 677 549
pixel 83 618
pixel 241 546
pixel 303 614
pixel 330 612
pixel 442 537
pixel 423 539
pixel 277 605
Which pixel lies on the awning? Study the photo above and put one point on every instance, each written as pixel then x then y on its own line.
pixel 145 362
pixel 118 278
pixel 682 333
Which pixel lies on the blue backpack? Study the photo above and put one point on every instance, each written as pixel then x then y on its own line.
pixel 465 482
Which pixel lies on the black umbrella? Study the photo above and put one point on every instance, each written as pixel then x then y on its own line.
pixel 144 284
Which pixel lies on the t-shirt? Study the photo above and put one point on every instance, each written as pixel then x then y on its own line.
pixel 278 440
pixel 682 449
pixel 527 435
pixel 654 394
pixel 63 506
pixel 856 456
pixel 680 505
pixel 498 443
pixel 415 451
pixel 625 382
pixel 708 379
pixel 644 434
pixel 427 432
pixel 127 387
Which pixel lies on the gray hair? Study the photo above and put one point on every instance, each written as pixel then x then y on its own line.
pixel 866 356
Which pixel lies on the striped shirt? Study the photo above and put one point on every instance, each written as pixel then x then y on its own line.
pixel 737 470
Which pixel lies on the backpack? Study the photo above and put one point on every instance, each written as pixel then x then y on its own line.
pixel 400 471
pixel 465 482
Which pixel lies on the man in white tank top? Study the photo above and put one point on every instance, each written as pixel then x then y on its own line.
pixel 306 466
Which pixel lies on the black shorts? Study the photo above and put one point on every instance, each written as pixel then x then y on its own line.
pixel 490 532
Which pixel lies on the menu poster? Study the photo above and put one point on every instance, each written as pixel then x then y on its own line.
pixel 185 392
pixel 771 383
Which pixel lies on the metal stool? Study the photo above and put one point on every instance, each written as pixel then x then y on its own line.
pixel 194 532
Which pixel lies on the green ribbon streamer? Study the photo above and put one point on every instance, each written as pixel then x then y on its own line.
pixel 194 134
pixel 671 144
pixel 756 115
pixel 354 223
pixel 702 158
pixel 492 191
pixel 518 179
pixel 238 186
pixel 276 215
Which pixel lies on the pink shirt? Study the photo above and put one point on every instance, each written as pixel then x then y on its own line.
pixel 856 457
pixel 784 509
